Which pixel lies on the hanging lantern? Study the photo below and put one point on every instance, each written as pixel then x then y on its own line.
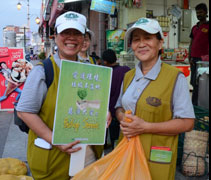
pixel 37 20
pixel 19 5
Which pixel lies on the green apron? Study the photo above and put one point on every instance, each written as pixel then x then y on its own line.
pixel 50 164
pixel 155 105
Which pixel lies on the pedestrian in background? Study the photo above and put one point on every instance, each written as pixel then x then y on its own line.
pixel 158 96
pixel 97 58
pixel 37 104
pixel 110 60
pixel 83 55
pixel 42 55
pixel 199 46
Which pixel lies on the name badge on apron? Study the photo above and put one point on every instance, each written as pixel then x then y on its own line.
pixel 161 155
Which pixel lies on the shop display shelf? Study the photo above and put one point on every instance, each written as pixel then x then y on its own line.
pixel 180 148
pixel 201 123
pixel 201 112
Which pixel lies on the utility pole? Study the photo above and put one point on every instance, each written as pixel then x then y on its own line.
pixel 26 29
pixel 24 36
pixel 28 15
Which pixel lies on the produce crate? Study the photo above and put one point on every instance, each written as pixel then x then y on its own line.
pixel 201 123
pixel 194 156
pixel 200 112
pixel 180 148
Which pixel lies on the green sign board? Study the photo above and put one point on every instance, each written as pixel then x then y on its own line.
pixel 82 103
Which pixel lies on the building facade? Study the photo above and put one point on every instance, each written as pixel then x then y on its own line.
pixel 9 36
pixel 21 37
pixel 126 13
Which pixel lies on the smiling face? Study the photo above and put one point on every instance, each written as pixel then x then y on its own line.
pixel 3 65
pixel 69 43
pixel 87 43
pixel 145 46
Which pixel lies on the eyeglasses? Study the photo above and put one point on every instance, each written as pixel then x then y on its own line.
pixel 71 32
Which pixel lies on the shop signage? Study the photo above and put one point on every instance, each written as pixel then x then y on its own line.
pixel 177 54
pixel 82 103
pixel 176 11
pixel 103 6
pixel 13 72
pixel 4 52
pixel 47 10
pixel 115 40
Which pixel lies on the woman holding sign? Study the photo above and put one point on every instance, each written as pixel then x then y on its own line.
pixel 36 106
pixel 158 96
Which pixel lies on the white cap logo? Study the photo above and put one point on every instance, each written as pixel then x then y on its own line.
pixel 71 16
pixel 71 20
pixel 149 25
pixel 142 21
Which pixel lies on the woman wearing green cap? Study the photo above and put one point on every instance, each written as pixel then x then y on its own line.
pixel 158 96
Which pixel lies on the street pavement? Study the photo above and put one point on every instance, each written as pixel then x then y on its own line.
pixel 13 143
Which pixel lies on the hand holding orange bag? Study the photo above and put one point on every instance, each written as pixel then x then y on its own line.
pixel 126 162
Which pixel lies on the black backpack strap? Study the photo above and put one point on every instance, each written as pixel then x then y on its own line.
pixel 49 73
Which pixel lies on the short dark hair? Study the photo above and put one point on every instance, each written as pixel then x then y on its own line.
pixel 159 37
pixel 3 62
pixel 109 55
pixel 201 6
pixel 55 31
pixel 89 34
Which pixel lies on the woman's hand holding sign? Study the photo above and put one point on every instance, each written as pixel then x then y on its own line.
pixel 69 148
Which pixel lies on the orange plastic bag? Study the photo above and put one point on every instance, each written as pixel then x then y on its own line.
pixel 126 162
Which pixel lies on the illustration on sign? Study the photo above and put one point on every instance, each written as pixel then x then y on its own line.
pixel 82 103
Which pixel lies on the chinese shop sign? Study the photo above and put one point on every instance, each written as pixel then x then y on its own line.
pixel 103 6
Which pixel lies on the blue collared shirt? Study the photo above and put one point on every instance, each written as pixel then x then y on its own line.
pixel 182 105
